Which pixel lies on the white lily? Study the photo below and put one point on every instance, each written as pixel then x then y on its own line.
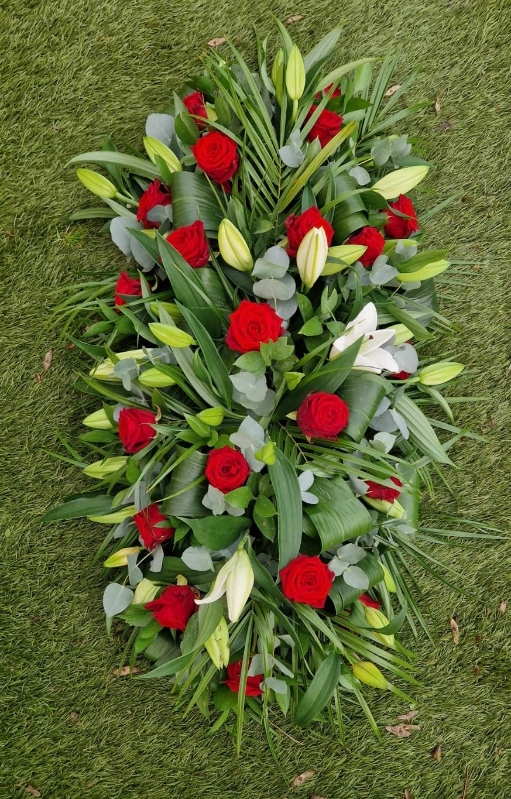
pixel 236 579
pixel 371 356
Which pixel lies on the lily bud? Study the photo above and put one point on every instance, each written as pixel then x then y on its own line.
pixel 393 509
pixel 211 416
pixel 439 373
pixel 377 619
pixel 96 183
pixel 98 420
pixel 120 558
pixel 401 334
pixel 154 378
pixel 197 426
pixel 311 256
pixel 115 518
pixel 101 469
pixel 368 673
pixel 145 591
pixel 236 579
pixel 233 247
pixel 170 307
pixel 295 74
pixel 105 369
pixel 266 454
pixel 217 645
pixel 388 579
pixel 171 335
pixel 154 148
pixel 277 76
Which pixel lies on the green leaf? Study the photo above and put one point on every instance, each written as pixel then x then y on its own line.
pixel 218 532
pixel 362 392
pixel 186 129
pixel 240 497
pixel 80 507
pixel 192 199
pixel 214 363
pixel 319 691
pixel 421 431
pixel 343 595
pixel 224 699
pixel 421 260
pixel 167 669
pixel 265 507
pixel 338 515
pixel 173 566
pixel 209 616
pixel 312 328
pixel 140 166
pixel 188 501
pixel 288 497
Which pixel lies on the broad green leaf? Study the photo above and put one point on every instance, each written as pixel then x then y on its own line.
pixel 337 74
pixel 319 691
pixel 173 566
pixel 214 363
pixel 288 498
pixel 80 507
pixel 218 532
pixel 421 431
pixel 338 515
pixel 192 199
pixel 140 166
pixel 184 498
pixel 362 392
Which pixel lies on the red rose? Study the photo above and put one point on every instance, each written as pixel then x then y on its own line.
pixel 368 602
pixel 327 125
pixel 226 469
pixel 372 239
pixel 174 607
pixel 195 105
pixel 135 429
pixel 397 227
pixel 155 194
pixel 377 491
pixel 253 324
pixel 298 226
pixel 191 242
pixel 127 286
pixel 307 580
pixel 322 415
pixel 153 526
pixel 217 155
pixel 400 375
pixel 233 680
pixel 326 91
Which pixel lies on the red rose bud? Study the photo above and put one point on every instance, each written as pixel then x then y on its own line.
pixel 327 125
pixel 174 607
pixel 127 286
pixel 377 491
pixel 400 375
pixel 155 194
pixel 191 242
pixel 372 239
pixel 322 415
pixel 398 227
pixel 135 429
pixel 298 226
pixel 253 324
pixel 233 680
pixel 368 602
pixel 307 580
pixel 195 105
pixel 217 155
pixel 226 469
pixel 153 526
pixel 326 91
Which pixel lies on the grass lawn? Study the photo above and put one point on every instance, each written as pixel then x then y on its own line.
pixel 73 72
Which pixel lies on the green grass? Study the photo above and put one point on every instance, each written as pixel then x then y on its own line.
pixel 73 72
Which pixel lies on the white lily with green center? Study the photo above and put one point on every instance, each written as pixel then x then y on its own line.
pixel 371 355
pixel 236 579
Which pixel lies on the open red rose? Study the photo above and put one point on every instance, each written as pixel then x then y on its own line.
pixel 127 286
pixel 322 415
pixel 226 469
pixel 217 155
pixel 307 580
pixel 253 324
pixel 398 227
pixel 195 105
pixel 191 242
pixel 372 239
pixel 174 607
pixel 368 602
pixel 135 429
pixel 233 680
pixel 298 226
pixel 153 526
pixel 155 194
pixel 326 91
pixel 327 125
pixel 377 491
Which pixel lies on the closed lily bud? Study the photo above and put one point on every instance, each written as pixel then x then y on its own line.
pixel 236 579
pixel 105 369
pixel 115 518
pixel 96 183
pixel 401 334
pixel 233 247
pixel 217 645
pixel 211 416
pixel 368 673
pixel 439 373
pixel 154 148
pixel 277 76
pixel 98 420
pixel 120 558
pixel 266 454
pixel 388 579
pixel 154 378
pixel 295 74
pixel 311 256
pixel 377 619
pixel 393 509
pixel 101 469
pixel 171 335
pixel 145 591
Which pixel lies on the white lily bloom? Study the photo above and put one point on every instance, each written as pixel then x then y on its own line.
pixel 236 579
pixel 371 357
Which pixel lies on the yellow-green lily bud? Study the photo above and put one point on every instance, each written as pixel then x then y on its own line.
pixel 217 645
pixel 154 378
pixel 233 247
pixel 401 334
pixel 105 369
pixel 348 253
pixel 368 673
pixel 197 426
pixel 171 335
pixel 154 148
pixel 170 307
pixel 115 518
pixel 439 373
pixel 98 420
pixel 292 379
pixel 211 416
pixel 400 181
pixel 388 579
pixel 145 591
pixel 101 469
pixel 295 74
pixel 266 454
pixel 120 558
pixel 277 76
pixel 393 509
pixel 377 619
pixel 311 256
pixel 211 114
pixel 426 273
pixel 96 183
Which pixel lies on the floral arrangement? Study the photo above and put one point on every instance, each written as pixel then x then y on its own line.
pixel 259 439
